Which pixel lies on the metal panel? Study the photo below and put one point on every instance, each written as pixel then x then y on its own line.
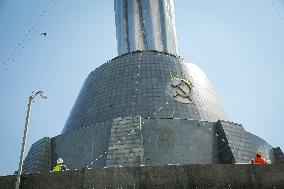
pixel 111 91
pixel 145 25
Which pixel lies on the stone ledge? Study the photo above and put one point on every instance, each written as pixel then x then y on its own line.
pixel 170 177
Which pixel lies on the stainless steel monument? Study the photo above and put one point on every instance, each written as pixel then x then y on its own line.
pixel 145 25
pixel 147 106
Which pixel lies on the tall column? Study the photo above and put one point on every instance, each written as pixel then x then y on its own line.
pixel 145 25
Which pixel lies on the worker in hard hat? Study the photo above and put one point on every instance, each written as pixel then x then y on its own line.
pixel 258 158
pixel 59 166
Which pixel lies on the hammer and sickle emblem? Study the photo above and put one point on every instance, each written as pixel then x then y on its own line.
pixel 180 88
pixel 183 88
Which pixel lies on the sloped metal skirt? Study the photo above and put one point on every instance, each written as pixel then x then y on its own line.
pixel 135 84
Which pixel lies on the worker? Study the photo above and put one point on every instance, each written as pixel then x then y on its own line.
pixel 59 166
pixel 258 158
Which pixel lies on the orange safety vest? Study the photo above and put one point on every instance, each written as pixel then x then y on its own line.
pixel 258 160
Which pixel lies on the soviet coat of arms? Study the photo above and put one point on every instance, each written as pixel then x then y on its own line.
pixel 180 89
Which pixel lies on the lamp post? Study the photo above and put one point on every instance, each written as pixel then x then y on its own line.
pixel 40 93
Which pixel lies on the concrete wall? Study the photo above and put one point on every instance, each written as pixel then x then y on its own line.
pixel 126 142
pixel 82 147
pixel 161 142
pixel 38 158
pixel 134 141
pixel 239 146
pixel 278 155
pixel 188 176
pixel 177 141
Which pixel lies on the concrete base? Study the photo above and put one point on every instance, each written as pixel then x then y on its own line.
pixel 132 141
pixel 130 112
pixel 175 176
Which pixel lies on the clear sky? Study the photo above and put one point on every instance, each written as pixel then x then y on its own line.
pixel 239 44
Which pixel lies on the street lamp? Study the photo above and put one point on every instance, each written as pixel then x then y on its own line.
pixel 40 93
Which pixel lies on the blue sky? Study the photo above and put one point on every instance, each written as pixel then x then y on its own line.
pixel 239 44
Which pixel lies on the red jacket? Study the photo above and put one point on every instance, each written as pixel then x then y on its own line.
pixel 258 160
